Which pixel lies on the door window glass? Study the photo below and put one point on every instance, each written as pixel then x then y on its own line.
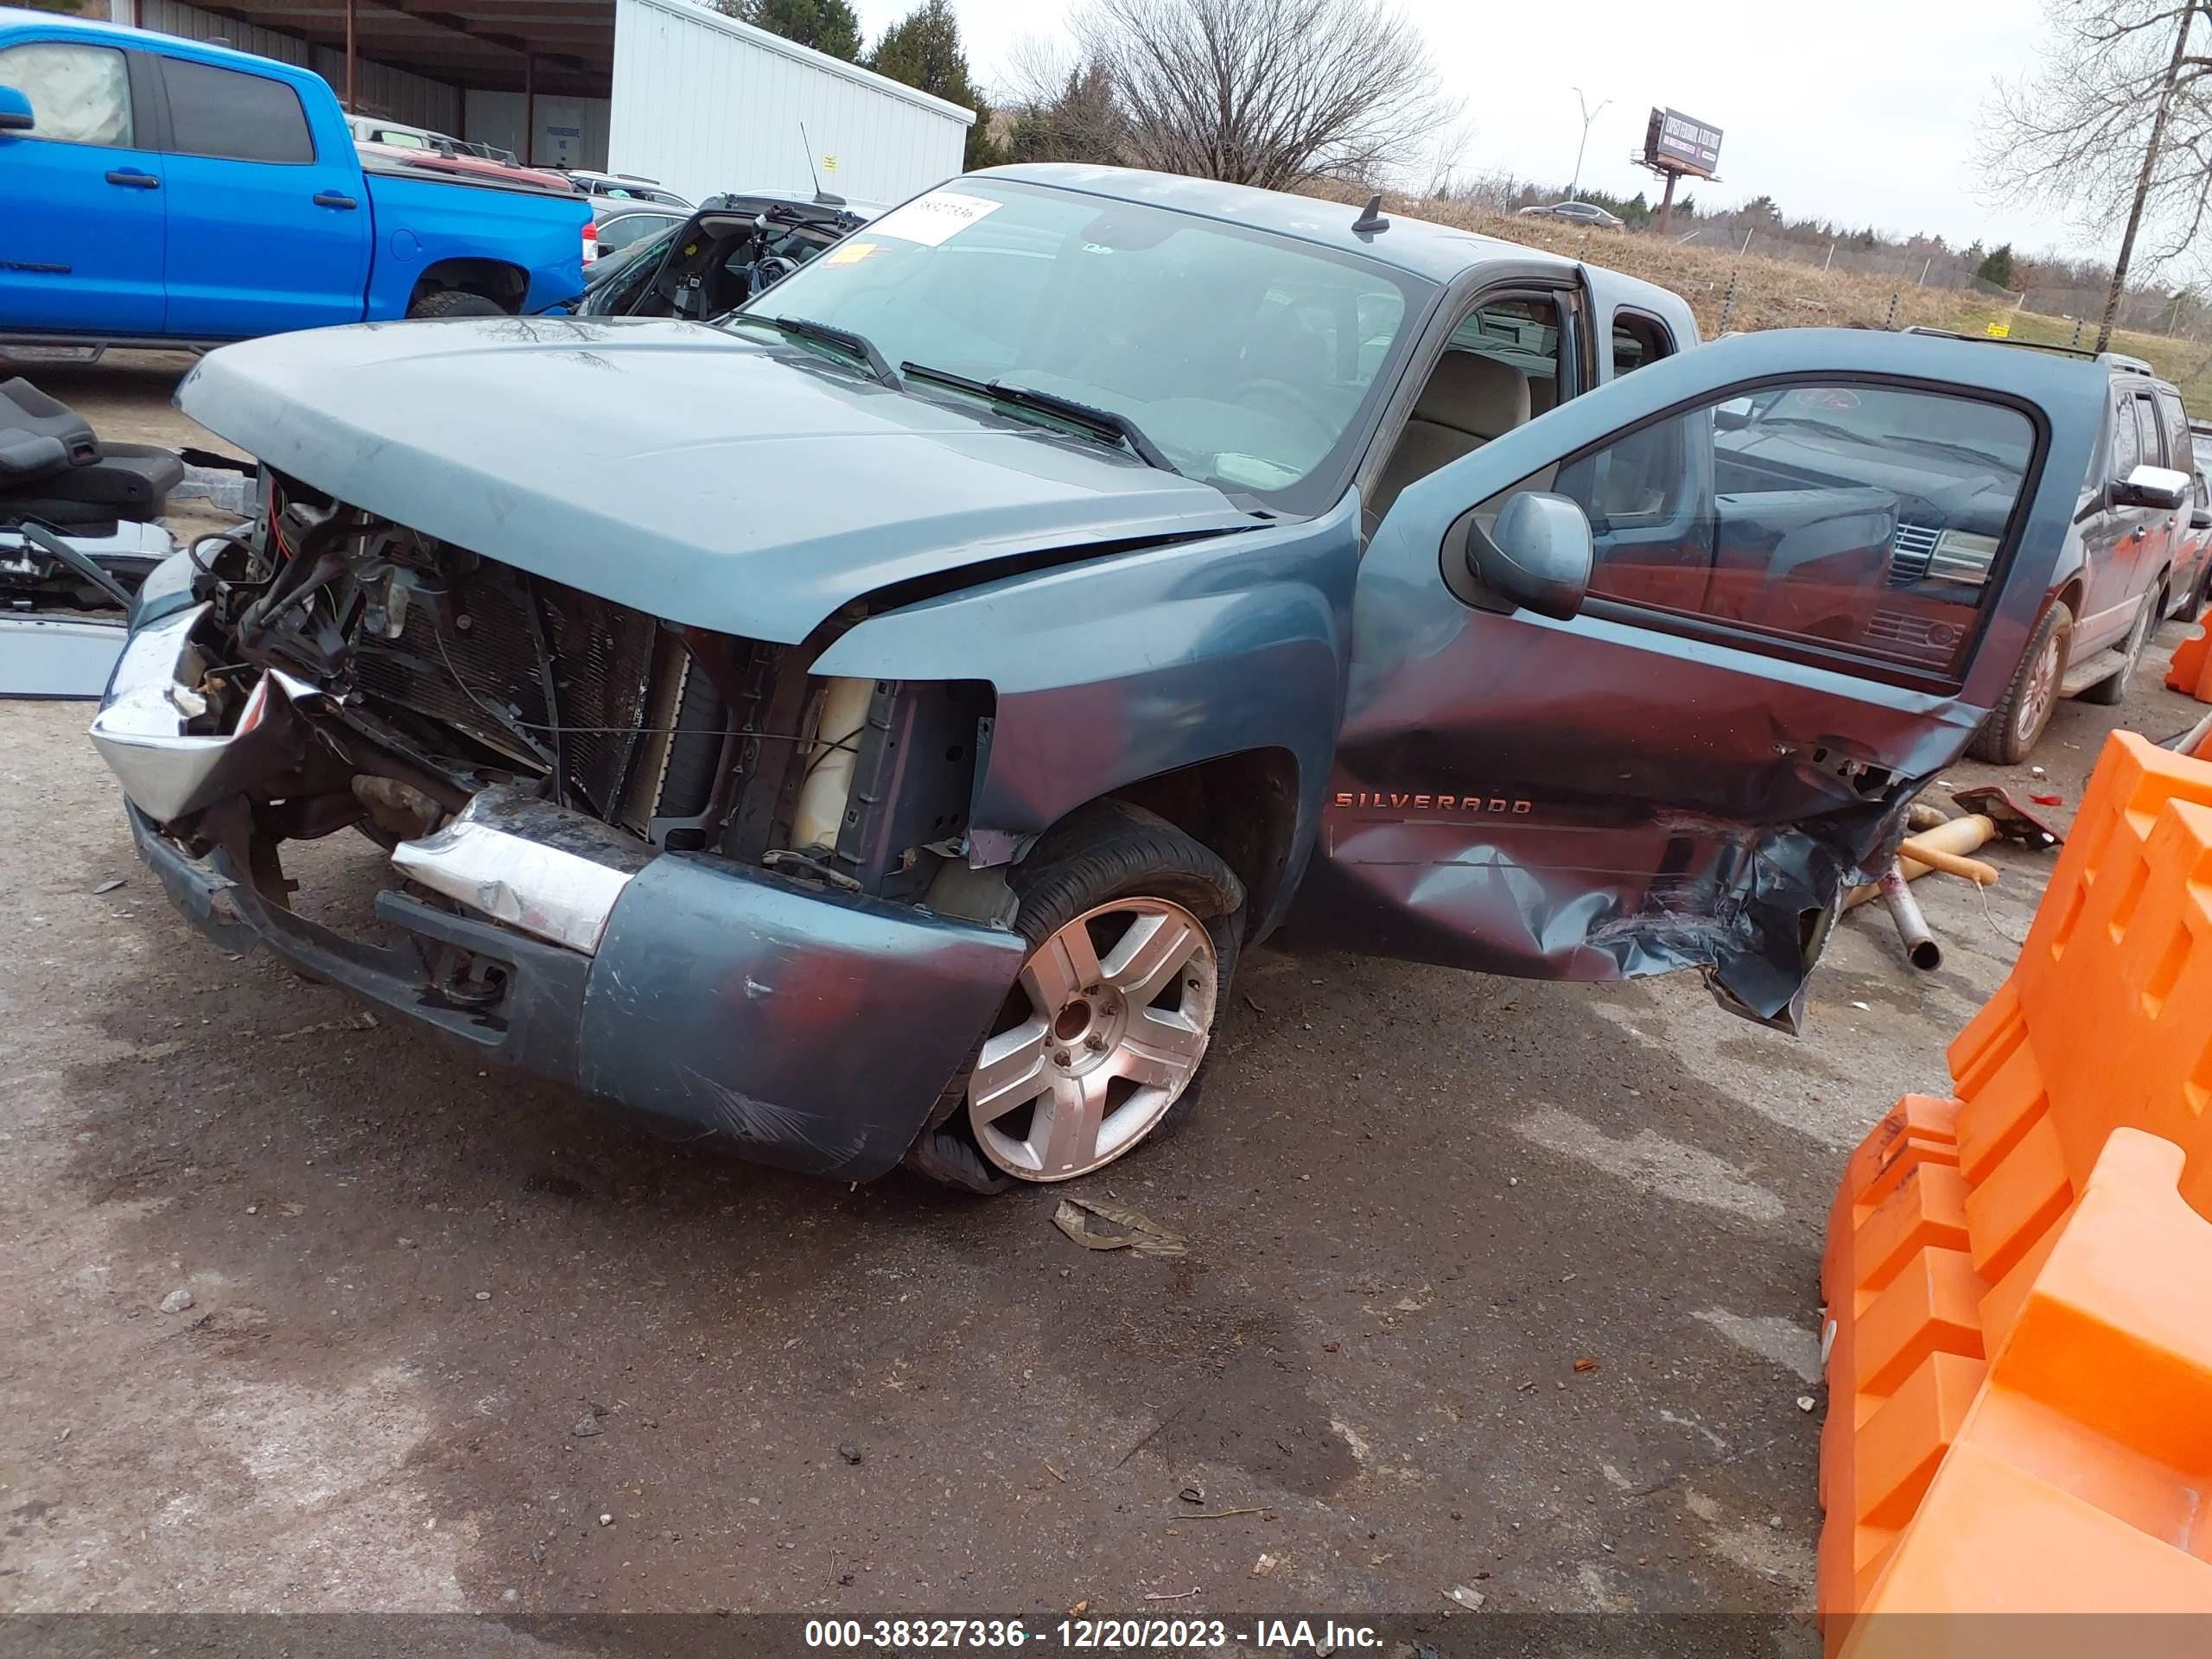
pixel 233 116
pixel 2127 443
pixel 1638 341
pixel 1862 517
pixel 2174 420
pixel 2149 442
pixel 620 231
pixel 79 94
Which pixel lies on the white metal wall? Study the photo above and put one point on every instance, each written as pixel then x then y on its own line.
pixel 706 104
pixel 407 97
pixel 497 118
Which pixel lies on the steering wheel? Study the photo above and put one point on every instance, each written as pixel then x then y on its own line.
pixel 1301 403
pixel 772 269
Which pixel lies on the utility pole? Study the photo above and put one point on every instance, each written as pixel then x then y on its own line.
pixel 2145 174
pixel 1588 116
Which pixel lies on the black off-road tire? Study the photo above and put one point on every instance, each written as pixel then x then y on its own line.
pixel 2107 692
pixel 454 302
pixel 2000 740
pixel 1107 850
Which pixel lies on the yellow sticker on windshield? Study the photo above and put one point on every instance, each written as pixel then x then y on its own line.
pixel 851 254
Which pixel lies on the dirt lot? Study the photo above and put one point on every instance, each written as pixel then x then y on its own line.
pixel 461 1343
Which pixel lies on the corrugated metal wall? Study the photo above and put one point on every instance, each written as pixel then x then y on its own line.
pixel 497 118
pixel 705 103
pixel 404 97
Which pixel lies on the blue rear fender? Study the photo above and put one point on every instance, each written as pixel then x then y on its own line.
pixel 462 235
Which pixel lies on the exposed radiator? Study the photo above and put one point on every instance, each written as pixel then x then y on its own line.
pixel 614 670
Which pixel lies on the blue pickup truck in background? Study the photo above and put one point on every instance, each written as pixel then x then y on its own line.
pixel 158 191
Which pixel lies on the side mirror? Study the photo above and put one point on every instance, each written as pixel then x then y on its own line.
pixel 1725 419
pixel 2152 486
pixel 16 114
pixel 2201 519
pixel 1537 557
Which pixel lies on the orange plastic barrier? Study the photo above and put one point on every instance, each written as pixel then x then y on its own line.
pixel 1955 1214
pixel 2192 664
pixel 2074 1476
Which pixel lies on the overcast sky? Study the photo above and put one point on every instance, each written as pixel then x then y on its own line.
pixel 1863 112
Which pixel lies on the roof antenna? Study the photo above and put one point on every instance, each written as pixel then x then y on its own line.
pixel 821 198
pixel 1370 218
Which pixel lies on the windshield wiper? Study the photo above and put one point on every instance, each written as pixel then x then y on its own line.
pixel 1101 422
pixel 1829 429
pixel 844 340
pixel 1950 448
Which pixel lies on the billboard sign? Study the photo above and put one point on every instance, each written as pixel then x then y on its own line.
pixel 1675 142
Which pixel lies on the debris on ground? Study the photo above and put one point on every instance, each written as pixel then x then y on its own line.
pixel 1265 1566
pixel 1466 1597
pixel 586 1425
pixel 108 885
pixel 849 1451
pixel 606 1520
pixel 1805 1402
pixel 1586 1363
pixel 1139 1232
pixel 361 1021
pixel 176 1302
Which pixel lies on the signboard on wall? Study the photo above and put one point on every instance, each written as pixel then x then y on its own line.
pixel 559 140
pixel 1674 143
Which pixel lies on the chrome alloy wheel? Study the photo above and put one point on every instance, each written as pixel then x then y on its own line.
pixel 2042 689
pixel 1103 1033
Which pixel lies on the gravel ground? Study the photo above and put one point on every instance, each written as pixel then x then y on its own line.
pixel 461 1343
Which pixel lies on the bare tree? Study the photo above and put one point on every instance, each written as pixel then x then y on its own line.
pixel 1061 107
pixel 1268 92
pixel 2119 127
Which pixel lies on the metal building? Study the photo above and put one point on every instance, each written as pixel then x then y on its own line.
pixel 664 88
pixel 705 103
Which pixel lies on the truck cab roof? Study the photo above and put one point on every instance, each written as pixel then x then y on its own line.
pixel 1440 253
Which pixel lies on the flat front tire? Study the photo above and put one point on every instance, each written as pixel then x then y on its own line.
pixel 1133 930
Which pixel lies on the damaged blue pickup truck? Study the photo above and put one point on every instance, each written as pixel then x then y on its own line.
pixel 869 727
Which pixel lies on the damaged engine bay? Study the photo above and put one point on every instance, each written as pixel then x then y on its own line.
pixel 409 682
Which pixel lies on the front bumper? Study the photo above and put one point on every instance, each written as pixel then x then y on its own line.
pixel 813 1030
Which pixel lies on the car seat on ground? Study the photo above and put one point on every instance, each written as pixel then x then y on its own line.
pixel 54 470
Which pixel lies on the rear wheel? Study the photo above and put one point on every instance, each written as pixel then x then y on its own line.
pixel 1133 928
pixel 2017 723
pixel 2107 692
pixel 454 302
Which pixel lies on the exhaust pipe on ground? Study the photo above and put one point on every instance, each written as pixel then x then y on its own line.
pixel 1920 947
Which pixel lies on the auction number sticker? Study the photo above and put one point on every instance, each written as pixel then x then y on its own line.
pixel 933 218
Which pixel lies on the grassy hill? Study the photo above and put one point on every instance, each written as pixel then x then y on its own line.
pixel 1776 294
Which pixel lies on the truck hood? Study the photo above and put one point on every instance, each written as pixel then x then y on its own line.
pixel 718 480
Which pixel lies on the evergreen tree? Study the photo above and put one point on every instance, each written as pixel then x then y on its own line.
pixel 830 26
pixel 923 50
pixel 1997 267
